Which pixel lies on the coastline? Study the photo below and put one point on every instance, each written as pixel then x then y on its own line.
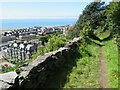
pixel 12 24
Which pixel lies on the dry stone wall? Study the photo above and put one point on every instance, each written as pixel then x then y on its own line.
pixel 36 72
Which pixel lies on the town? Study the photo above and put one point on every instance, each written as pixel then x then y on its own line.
pixel 19 44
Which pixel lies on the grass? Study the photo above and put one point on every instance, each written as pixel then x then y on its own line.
pixel 81 70
pixel 85 73
pixel 111 52
pixel 102 34
pixel 59 77
pixel 9 68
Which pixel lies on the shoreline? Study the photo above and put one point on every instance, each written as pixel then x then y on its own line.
pixel 5 30
pixel 13 24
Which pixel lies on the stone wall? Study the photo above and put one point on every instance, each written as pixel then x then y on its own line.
pixel 36 73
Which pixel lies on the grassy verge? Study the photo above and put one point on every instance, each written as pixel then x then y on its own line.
pixel 111 52
pixel 85 73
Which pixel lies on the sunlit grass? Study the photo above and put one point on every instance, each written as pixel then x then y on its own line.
pixel 85 74
pixel 111 52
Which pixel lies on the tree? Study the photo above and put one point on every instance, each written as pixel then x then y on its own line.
pixel 113 13
pixel 90 20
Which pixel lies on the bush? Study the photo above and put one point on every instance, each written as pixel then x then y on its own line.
pixel 55 43
pixel 45 38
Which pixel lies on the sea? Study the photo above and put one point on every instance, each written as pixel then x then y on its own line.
pixel 10 24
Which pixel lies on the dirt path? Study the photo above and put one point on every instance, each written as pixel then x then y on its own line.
pixel 102 69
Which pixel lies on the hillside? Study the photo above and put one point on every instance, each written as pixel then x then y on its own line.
pixel 86 57
pixel 97 65
pixel 99 26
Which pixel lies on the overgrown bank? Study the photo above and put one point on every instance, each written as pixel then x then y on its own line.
pixel 85 73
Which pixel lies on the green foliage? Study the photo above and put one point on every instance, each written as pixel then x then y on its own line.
pixel 113 13
pixel 86 30
pixel 9 68
pixel 102 34
pixel 40 51
pixel 89 21
pixel 111 51
pixel 91 25
pixel 92 22
pixel 73 33
pixel 45 38
pixel 85 73
pixel 55 43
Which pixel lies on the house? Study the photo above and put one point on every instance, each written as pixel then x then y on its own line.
pixel 19 50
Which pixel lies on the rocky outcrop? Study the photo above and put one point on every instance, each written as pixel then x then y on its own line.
pixel 36 73
pixel 7 80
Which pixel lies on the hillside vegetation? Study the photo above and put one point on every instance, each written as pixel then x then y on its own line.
pixel 95 63
pixel 99 25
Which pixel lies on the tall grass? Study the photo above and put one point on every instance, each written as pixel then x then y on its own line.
pixel 111 52
pixel 85 73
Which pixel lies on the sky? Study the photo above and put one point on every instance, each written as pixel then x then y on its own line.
pixel 23 9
